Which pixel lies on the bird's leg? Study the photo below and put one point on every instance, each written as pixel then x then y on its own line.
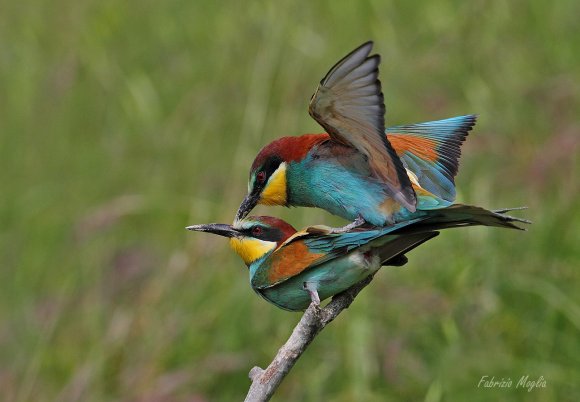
pixel 358 222
pixel 312 290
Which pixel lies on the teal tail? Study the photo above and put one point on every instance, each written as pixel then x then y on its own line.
pixel 458 215
pixel 454 216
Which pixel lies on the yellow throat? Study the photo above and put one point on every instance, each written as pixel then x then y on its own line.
pixel 250 249
pixel 275 191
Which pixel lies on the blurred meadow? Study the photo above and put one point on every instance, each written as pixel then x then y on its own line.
pixel 123 122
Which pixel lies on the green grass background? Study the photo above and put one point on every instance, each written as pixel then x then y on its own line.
pixel 123 122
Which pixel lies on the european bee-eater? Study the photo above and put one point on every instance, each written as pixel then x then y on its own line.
pixel 356 171
pixel 292 269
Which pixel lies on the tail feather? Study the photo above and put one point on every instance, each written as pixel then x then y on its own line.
pixel 458 215
pixel 393 252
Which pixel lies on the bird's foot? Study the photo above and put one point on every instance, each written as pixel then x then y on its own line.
pixel 312 290
pixel 358 222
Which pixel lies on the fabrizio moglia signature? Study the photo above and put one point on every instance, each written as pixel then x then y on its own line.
pixel 524 382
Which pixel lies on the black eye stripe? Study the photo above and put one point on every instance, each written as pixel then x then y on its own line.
pixel 271 165
pixel 267 233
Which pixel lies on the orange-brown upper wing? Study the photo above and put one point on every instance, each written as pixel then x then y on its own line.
pixel 312 247
pixel 349 104
pixel 286 263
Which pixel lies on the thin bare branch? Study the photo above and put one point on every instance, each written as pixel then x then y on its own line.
pixel 265 382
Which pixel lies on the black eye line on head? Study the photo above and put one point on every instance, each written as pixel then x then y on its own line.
pixel 248 229
pixel 256 231
pixel 266 233
pixel 268 168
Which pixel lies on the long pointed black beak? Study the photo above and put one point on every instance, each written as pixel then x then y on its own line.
pixel 247 205
pixel 220 229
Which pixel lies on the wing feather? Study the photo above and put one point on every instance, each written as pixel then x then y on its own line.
pixel 312 247
pixel 432 150
pixel 349 104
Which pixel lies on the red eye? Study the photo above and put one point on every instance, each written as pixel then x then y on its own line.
pixel 257 231
pixel 261 176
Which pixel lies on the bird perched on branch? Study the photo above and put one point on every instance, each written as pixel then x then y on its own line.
pixel 292 269
pixel 355 170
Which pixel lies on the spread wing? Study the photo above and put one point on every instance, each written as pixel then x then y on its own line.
pixel 314 247
pixel 349 104
pixel 432 150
